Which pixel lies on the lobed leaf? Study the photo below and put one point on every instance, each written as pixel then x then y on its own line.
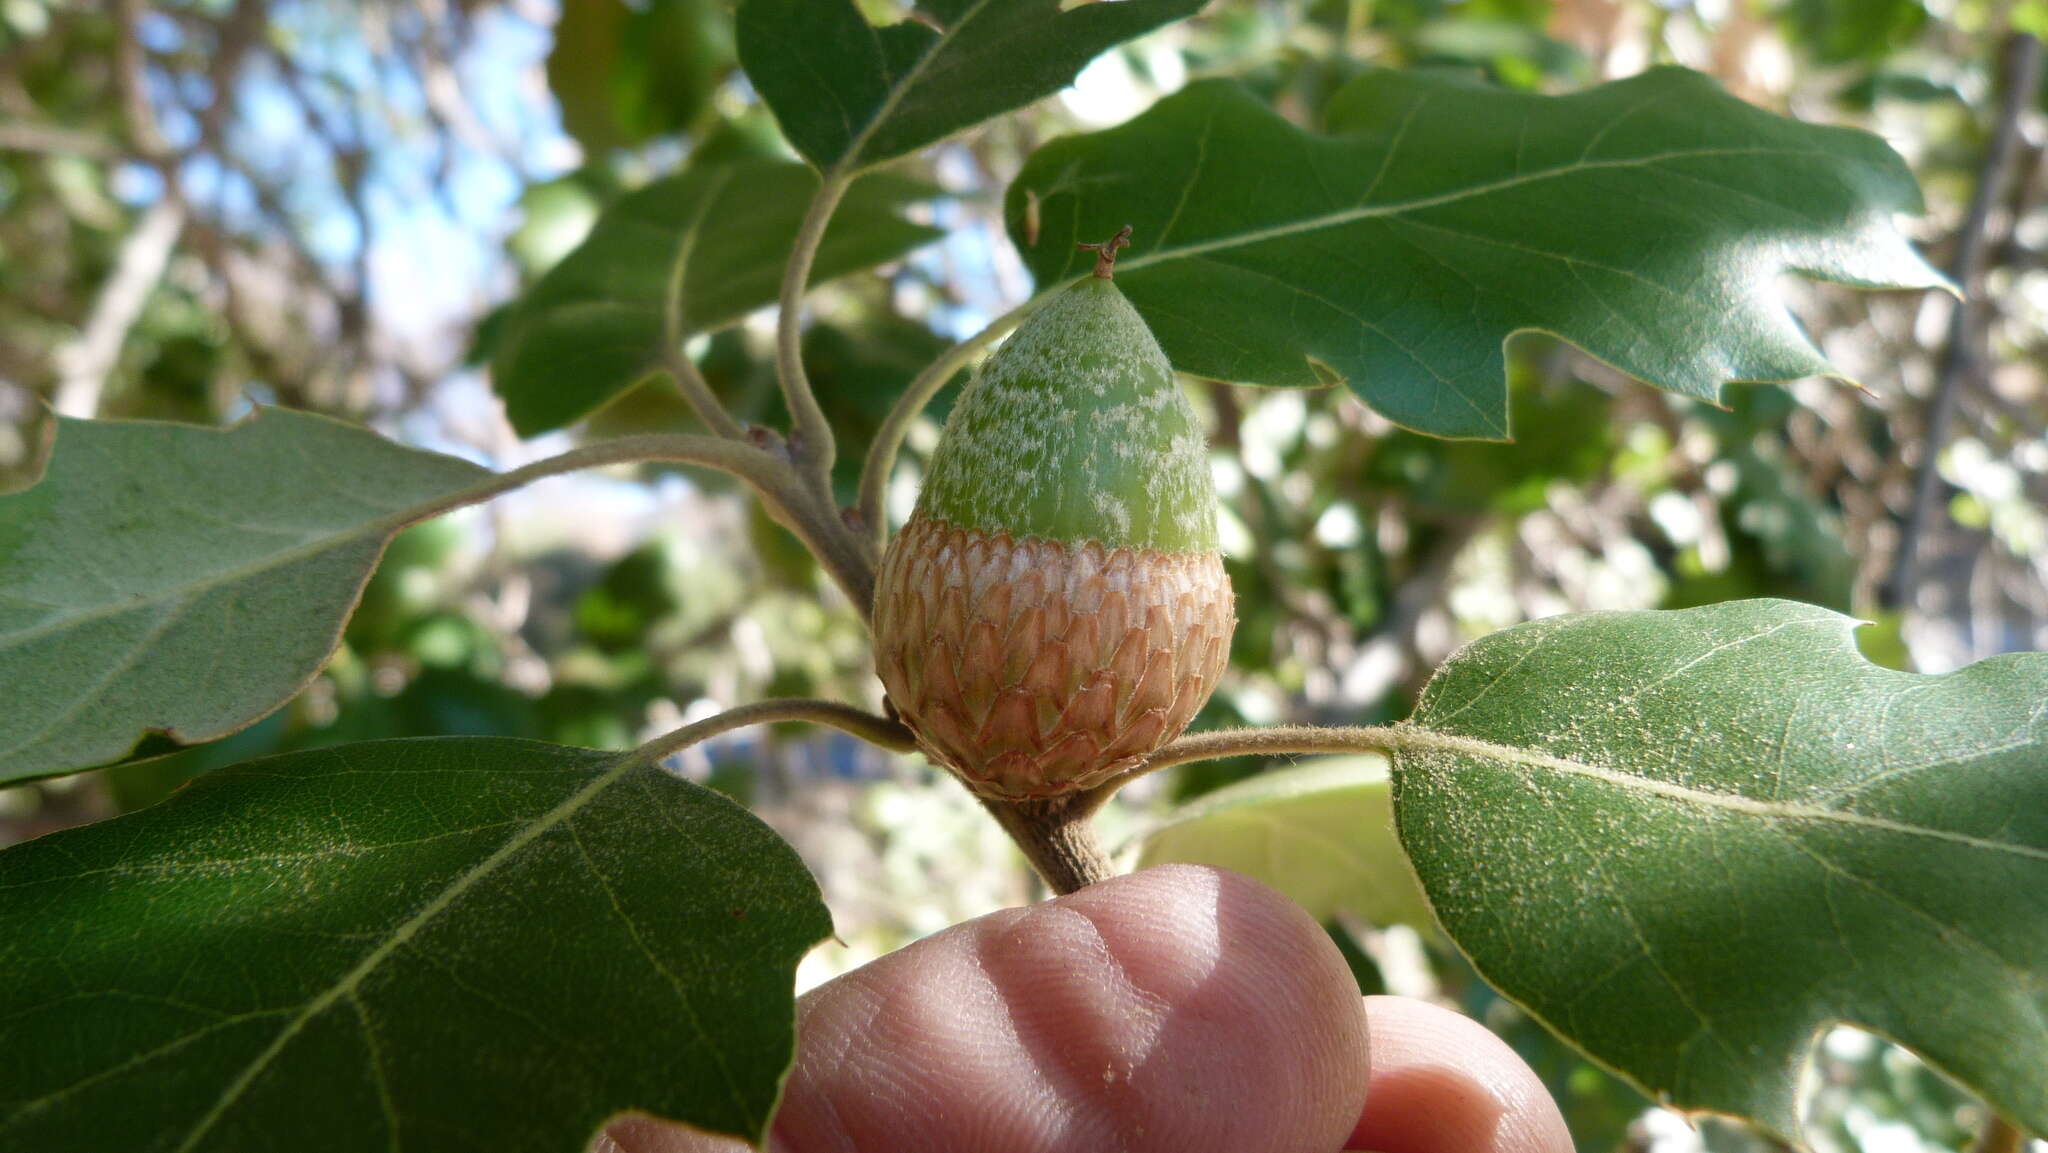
pixel 1646 221
pixel 690 253
pixel 456 943
pixel 186 580
pixel 1690 841
pixel 850 95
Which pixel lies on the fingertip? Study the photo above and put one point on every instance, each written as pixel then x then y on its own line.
pixel 1243 1029
pixel 1174 1008
pixel 1442 1083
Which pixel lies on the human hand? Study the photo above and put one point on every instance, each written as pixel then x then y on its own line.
pixel 1177 1010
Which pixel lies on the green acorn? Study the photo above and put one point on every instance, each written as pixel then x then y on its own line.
pixel 1056 609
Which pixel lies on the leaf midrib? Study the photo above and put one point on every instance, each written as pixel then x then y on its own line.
pixel 674 324
pixel 352 980
pixel 385 525
pixel 850 161
pixel 1414 738
pixel 1366 212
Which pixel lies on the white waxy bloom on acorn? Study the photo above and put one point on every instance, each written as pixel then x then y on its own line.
pixel 1056 609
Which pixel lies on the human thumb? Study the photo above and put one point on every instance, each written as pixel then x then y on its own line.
pixel 1175 1009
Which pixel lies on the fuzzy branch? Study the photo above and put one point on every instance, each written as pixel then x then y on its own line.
pixel 875 730
pixel 810 432
pixel 1285 740
pixel 1058 838
pixel 681 369
pixel 769 473
pixel 1057 835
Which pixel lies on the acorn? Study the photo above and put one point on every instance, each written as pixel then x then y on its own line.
pixel 1056 608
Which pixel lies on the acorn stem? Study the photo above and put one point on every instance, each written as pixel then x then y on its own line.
pixel 1058 838
pixel 1105 252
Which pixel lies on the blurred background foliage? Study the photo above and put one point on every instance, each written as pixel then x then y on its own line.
pixel 210 205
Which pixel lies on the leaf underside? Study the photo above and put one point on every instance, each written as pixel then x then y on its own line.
pixel 447 944
pixel 186 580
pixel 1645 221
pixel 1321 833
pixel 1689 841
pixel 690 253
pixel 850 95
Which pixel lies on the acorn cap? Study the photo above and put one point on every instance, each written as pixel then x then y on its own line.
pixel 1056 609
pixel 1033 668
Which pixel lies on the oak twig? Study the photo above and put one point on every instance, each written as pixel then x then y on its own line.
pixel 1058 838
pixel 1288 740
pixel 813 447
pixel 688 380
pixel 875 730
pixel 788 500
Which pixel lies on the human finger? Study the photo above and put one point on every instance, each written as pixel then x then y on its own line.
pixel 1442 1083
pixel 1177 1008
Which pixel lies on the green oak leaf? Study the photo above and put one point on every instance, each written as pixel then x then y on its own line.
pixel 187 580
pixel 452 943
pixel 690 253
pixel 625 74
pixel 1646 221
pixel 1321 833
pixel 1690 841
pixel 850 95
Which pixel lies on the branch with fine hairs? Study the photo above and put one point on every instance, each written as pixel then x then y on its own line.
pixel 1958 356
pixel 876 730
pixel 1057 835
pixel 1288 740
pixel 809 430
pixel 753 465
pixel 793 504
pixel 881 461
pixel 688 380
pixel 788 500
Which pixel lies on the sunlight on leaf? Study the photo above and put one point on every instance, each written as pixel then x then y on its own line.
pixel 1646 221
pixel 185 580
pixel 1690 841
pixel 464 942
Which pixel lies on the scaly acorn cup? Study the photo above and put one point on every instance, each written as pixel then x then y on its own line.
pixel 1056 609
